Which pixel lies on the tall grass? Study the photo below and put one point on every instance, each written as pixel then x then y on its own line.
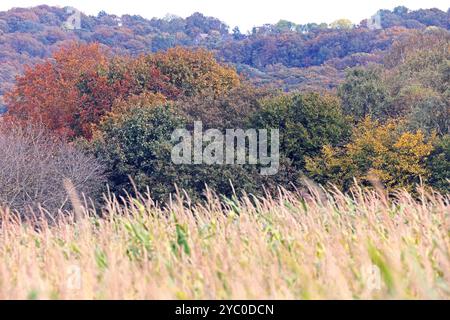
pixel 318 246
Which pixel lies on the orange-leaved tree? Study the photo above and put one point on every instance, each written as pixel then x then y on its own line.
pixel 70 93
pixel 48 92
pixel 194 71
pixel 124 78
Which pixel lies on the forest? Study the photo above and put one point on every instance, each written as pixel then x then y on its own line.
pixel 385 118
pixel 86 177
pixel 289 56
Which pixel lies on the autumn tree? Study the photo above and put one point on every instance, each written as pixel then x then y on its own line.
pixel 193 71
pixel 71 93
pixel 48 93
pixel 376 152
pixel 123 78
pixel 342 24
pixel 419 85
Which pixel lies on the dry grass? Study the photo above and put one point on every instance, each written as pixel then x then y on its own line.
pixel 287 248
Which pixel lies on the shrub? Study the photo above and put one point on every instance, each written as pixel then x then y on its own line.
pixel 33 166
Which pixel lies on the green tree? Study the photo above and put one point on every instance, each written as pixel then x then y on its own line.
pixel 137 145
pixel 306 122
pixel 431 114
pixel 285 25
pixel 230 110
pixel 364 94
pixel 439 165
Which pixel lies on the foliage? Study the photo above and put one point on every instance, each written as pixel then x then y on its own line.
pixel 411 85
pixel 306 123
pixel 419 84
pixel 439 164
pixel 375 153
pixel 231 109
pixel 364 94
pixel 48 92
pixel 137 145
pixel 195 71
pixel 71 94
pixel 28 35
pixel 122 101
pixel 341 24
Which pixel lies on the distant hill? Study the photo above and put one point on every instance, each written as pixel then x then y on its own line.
pixel 286 55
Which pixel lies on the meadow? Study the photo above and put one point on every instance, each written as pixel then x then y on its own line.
pixel 298 245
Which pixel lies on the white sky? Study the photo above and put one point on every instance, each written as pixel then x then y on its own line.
pixel 242 13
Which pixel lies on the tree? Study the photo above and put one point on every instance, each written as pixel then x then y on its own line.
pixel 232 109
pixel 439 164
pixel 237 35
pixel 376 152
pixel 122 78
pixel 364 94
pixel 33 165
pixel 193 71
pixel 71 93
pixel 285 25
pixel 48 92
pixel 431 114
pixel 401 10
pixel 342 24
pixel 29 35
pixel 137 145
pixel 418 81
pixel 306 122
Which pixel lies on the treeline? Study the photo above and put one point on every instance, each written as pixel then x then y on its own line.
pixel 286 55
pixel 387 123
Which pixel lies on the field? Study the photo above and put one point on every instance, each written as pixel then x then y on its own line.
pixel 320 245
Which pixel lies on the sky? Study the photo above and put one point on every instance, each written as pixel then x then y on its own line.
pixel 242 13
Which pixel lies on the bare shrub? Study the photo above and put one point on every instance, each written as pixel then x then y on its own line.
pixel 34 164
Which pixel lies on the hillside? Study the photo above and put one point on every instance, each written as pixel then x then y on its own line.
pixel 286 55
